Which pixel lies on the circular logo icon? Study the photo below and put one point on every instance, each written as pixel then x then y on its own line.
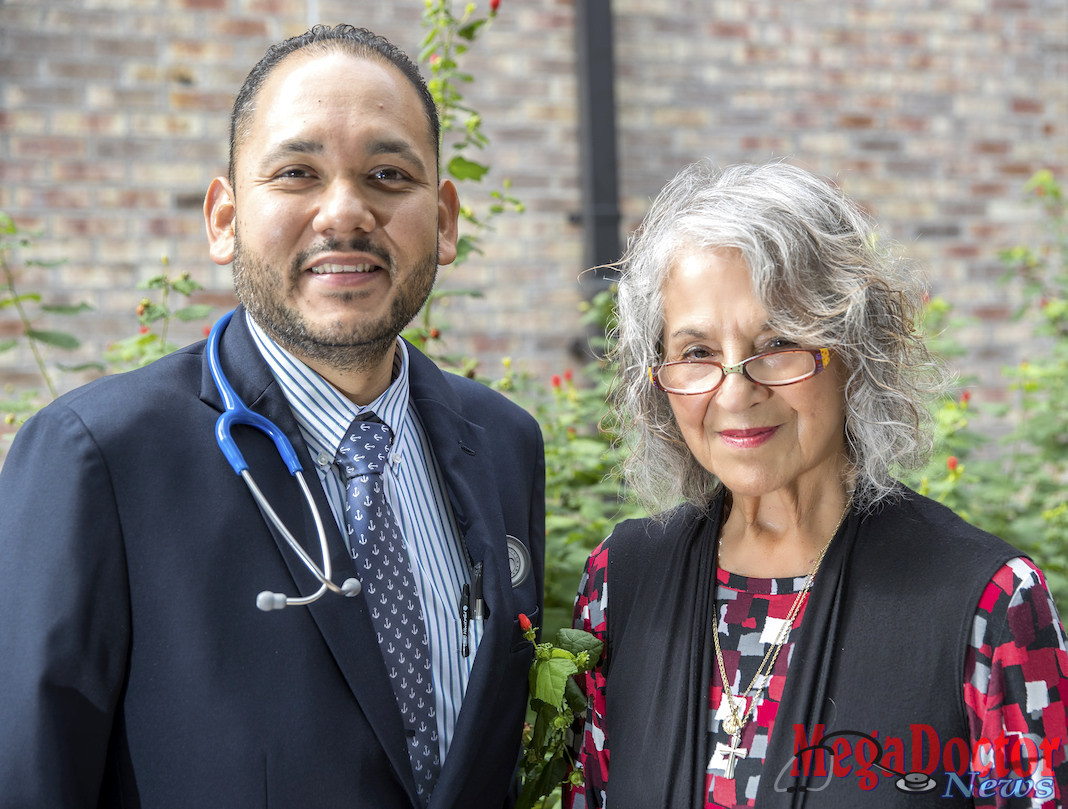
pixel 518 560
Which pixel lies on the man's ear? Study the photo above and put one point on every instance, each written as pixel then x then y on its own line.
pixel 448 222
pixel 220 219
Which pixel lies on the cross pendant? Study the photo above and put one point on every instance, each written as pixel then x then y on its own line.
pixel 733 753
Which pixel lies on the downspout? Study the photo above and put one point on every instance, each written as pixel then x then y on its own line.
pixel 600 216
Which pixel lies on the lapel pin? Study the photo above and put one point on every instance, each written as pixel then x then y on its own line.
pixel 518 560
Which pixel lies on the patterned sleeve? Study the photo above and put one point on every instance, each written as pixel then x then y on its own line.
pixel 590 608
pixel 1016 692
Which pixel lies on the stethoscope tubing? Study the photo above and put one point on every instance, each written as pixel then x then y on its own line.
pixel 235 412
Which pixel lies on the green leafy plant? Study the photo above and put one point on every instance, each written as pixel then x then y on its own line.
pixel 583 493
pixel 556 700
pixel 1016 486
pixel 27 308
pixel 154 317
pixel 448 37
pixel 150 343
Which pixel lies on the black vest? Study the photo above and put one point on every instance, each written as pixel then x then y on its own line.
pixel 880 652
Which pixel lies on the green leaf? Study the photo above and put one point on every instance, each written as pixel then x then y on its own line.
pixel 463 169
pixel 152 312
pixel 186 286
pixel 59 339
pixel 27 296
pixel 156 282
pixel 576 697
pixel 439 294
pixel 470 31
pixel 576 641
pixel 549 678
pixel 542 723
pixel 546 781
pixel 195 312
pixel 7 345
pixel 66 309
pixel 84 366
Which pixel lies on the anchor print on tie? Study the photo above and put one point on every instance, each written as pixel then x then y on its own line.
pixel 385 572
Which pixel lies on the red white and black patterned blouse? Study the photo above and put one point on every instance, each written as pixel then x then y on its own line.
pixel 1015 681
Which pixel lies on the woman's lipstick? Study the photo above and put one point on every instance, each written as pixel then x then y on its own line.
pixel 747 439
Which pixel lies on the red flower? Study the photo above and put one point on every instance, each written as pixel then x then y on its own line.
pixel 568 374
pixel 494 5
pixel 966 397
pixel 207 330
pixel 555 380
pixel 524 622
pixel 144 330
pixel 951 462
pixel 435 334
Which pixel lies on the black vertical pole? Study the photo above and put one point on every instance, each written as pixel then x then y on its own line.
pixel 597 130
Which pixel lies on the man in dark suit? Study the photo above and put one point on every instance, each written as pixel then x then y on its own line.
pixel 135 667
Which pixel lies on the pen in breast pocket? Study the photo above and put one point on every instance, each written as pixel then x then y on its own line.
pixel 465 617
pixel 476 591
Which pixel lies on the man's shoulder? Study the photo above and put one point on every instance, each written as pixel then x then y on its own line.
pixel 153 389
pixel 474 400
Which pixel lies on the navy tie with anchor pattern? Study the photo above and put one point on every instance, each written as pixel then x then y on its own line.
pixel 393 602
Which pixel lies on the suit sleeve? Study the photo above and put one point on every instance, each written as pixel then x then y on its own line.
pixel 66 628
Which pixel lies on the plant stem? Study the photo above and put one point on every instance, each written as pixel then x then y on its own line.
pixel 9 282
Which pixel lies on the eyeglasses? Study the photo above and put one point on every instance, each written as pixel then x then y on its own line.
pixel 773 368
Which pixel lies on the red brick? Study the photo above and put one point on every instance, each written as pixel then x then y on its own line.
pixel 47 147
pixel 1027 106
pixel 235 27
pixel 192 100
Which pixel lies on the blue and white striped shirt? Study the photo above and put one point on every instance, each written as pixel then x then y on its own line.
pixel 416 491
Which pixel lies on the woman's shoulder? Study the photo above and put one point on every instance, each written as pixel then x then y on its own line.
pixel 652 532
pixel 911 516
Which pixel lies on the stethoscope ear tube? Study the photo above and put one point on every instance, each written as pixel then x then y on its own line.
pixel 236 412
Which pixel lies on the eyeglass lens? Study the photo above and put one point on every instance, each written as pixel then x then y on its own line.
pixel 777 368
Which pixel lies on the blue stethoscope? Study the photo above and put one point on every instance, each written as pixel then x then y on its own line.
pixel 236 412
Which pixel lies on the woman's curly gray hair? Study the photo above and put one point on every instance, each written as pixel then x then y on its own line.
pixel 824 280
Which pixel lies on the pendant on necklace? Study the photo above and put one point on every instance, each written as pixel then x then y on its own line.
pixel 726 756
pixel 731 725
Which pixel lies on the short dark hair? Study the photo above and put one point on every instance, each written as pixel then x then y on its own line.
pixel 324 39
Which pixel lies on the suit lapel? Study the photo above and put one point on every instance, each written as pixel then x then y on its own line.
pixel 343 622
pixel 461 449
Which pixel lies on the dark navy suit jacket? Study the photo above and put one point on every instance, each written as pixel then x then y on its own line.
pixel 135 669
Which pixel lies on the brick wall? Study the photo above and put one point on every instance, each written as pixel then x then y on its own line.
pixel 113 119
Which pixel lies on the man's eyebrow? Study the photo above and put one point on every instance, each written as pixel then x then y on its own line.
pixel 399 147
pixel 291 147
pixel 376 148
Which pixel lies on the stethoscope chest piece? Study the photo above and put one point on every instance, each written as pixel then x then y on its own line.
pixel 915 782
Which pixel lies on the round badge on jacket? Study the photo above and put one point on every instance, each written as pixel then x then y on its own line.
pixel 518 560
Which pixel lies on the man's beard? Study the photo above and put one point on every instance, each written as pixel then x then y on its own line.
pixel 263 291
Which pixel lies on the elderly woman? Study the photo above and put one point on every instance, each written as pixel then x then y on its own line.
pixel 803 630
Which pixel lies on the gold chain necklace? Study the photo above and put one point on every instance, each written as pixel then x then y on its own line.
pixel 735 724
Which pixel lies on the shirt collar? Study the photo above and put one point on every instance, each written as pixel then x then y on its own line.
pixel 321 410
